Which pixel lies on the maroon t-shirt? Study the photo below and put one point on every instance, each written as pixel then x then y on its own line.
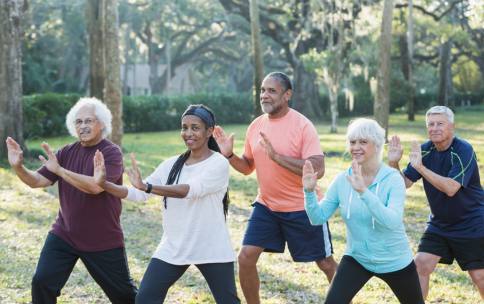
pixel 88 222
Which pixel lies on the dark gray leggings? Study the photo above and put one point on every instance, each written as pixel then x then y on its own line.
pixel 160 275
pixel 351 277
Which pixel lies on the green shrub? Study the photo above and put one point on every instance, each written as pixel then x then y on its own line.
pixel 44 114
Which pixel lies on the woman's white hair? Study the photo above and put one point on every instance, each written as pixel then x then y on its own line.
pixel 101 111
pixel 440 110
pixel 369 129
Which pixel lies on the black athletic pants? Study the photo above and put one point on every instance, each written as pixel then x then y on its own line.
pixel 160 276
pixel 351 277
pixel 109 269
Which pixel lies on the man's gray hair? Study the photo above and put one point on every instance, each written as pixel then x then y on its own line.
pixel 440 110
pixel 369 129
pixel 101 111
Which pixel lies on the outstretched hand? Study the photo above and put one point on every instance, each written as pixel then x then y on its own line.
pixel 309 177
pixel 99 168
pixel 395 150
pixel 356 179
pixel 15 153
pixel 51 163
pixel 134 174
pixel 225 143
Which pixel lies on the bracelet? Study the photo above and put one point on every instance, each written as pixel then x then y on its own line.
pixel 230 156
pixel 149 187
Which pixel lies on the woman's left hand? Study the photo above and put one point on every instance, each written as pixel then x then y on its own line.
pixel 356 179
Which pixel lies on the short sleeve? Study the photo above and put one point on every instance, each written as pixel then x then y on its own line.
pixel 310 142
pixel 113 160
pixel 411 173
pixel 464 163
pixel 247 147
pixel 212 179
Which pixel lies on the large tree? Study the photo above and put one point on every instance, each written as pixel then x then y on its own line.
pixel 290 26
pixel 11 117
pixel 112 82
pixel 105 80
pixel 381 107
pixel 257 55
pixel 95 27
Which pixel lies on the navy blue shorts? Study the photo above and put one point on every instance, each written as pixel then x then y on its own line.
pixel 469 253
pixel 271 230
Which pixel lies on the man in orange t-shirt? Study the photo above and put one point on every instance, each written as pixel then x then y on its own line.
pixel 277 145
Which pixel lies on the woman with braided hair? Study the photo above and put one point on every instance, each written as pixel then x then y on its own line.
pixel 195 190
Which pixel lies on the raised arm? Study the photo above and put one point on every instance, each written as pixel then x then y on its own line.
pixel 226 144
pixel 388 213
pixel 318 213
pixel 395 153
pixel 15 158
pixel 445 184
pixel 100 178
pixel 292 164
pixel 82 182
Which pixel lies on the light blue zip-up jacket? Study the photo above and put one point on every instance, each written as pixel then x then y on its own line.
pixel 375 234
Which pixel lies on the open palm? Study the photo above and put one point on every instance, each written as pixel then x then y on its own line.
pixel 99 168
pixel 395 150
pixel 15 153
pixel 309 177
pixel 134 174
pixel 225 143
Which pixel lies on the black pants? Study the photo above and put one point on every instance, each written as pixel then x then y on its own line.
pixel 351 277
pixel 160 275
pixel 108 268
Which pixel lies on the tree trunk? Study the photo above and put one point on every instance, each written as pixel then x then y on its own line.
pixel 11 116
pixel 411 82
pixel 94 16
pixel 381 108
pixel 112 84
pixel 445 76
pixel 333 102
pixel 306 94
pixel 257 55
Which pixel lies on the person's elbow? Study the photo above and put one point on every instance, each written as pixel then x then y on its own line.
pixel 453 189
pixel 320 173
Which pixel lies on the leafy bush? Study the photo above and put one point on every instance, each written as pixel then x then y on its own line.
pixel 44 114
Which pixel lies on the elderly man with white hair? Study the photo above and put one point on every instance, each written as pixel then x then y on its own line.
pixel 87 226
pixel 448 166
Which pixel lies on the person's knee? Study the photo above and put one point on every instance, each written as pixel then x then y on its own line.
pixel 247 258
pixel 425 266
pixel 327 264
pixel 477 277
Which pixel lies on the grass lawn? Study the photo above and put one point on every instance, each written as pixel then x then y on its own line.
pixel 26 216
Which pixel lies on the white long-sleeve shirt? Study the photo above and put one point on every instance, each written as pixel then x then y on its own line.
pixel 194 227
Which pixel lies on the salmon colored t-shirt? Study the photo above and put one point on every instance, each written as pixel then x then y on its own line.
pixel 292 135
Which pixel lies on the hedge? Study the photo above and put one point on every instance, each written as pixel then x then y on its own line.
pixel 44 114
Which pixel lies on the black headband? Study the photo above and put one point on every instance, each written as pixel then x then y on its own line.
pixel 203 114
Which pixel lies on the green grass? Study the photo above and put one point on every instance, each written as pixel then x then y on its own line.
pixel 26 216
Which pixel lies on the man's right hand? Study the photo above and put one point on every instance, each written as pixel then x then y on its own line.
pixel 395 150
pixel 225 143
pixel 15 153
pixel 99 169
